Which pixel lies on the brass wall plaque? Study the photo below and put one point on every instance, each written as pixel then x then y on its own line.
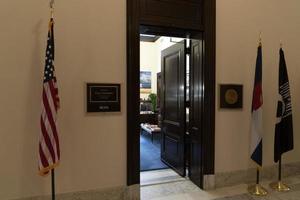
pixel 231 96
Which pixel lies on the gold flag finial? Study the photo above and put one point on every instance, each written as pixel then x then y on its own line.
pixel 51 13
pixel 51 16
pixel 260 40
pixel 51 8
pixel 51 3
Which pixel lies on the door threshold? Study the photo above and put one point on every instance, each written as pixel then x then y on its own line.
pixel 159 177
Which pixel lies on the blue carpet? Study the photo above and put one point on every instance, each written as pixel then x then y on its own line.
pixel 150 153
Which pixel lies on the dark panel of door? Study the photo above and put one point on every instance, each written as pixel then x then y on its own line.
pixel 196 111
pixel 173 107
pixel 187 14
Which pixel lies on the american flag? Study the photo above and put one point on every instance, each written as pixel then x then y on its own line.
pixel 49 152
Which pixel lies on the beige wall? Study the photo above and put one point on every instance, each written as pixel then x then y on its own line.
pixel 91 39
pixel 90 47
pixel 238 26
pixel 149 60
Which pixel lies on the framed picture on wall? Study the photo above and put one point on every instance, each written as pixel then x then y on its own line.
pixel 145 81
pixel 231 96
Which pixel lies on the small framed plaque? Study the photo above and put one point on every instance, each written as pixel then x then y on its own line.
pixel 231 96
pixel 102 97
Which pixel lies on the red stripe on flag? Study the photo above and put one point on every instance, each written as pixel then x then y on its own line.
pixel 43 158
pixel 51 121
pixel 49 113
pixel 54 94
pixel 257 97
pixel 47 140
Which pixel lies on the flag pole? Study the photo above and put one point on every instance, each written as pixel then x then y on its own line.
pixel 279 186
pixel 53 184
pixel 52 170
pixel 257 189
pixel 257 103
pixel 257 176
pixel 279 168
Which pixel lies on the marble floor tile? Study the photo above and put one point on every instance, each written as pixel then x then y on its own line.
pixel 186 190
pixel 292 195
pixel 159 176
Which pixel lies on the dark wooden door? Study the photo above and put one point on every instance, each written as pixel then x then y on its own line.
pixel 173 107
pixel 187 14
pixel 195 113
pixel 158 98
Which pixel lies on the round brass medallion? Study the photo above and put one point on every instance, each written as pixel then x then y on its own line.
pixel 231 96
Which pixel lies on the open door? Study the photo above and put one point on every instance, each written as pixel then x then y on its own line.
pixel 173 107
pixel 195 113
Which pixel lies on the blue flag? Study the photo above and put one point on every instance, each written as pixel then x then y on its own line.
pixel 284 140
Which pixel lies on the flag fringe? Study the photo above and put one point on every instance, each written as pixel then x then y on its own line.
pixel 44 171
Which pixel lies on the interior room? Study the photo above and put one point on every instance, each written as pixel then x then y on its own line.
pixel 151 47
pixel 149 104
pixel 154 168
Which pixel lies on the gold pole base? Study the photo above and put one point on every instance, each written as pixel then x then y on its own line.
pixel 280 187
pixel 257 190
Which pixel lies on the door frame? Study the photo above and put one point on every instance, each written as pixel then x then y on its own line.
pixel 133 75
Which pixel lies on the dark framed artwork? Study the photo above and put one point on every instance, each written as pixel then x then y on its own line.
pixel 231 96
pixel 103 97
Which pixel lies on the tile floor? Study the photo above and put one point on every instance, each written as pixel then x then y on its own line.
pixel 183 189
pixel 160 176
